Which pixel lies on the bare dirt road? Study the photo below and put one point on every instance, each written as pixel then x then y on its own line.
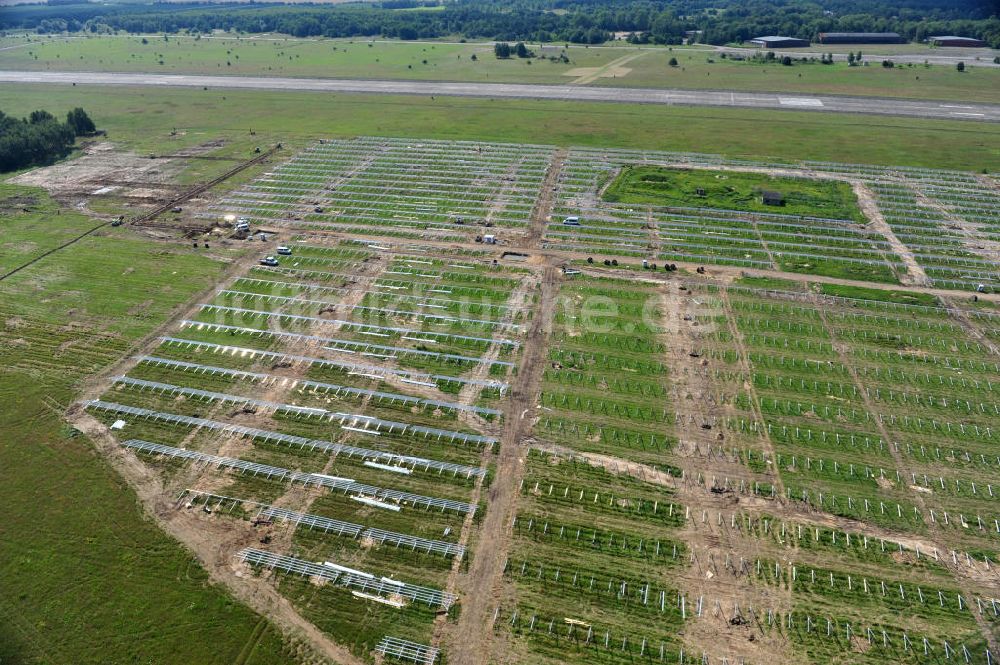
pixel 480 593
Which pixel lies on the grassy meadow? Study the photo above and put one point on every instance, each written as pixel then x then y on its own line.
pixel 87 578
pixel 287 56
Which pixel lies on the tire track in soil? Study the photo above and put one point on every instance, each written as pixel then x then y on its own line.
pixel 482 587
pixel 467 396
pixel 546 198
pixel 962 318
pixel 743 358
pixel 655 243
pixel 695 405
pixel 251 644
pixel 866 200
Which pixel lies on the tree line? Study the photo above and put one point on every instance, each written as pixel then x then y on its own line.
pixel 573 21
pixel 40 138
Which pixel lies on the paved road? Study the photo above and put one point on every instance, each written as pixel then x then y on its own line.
pixel 722 98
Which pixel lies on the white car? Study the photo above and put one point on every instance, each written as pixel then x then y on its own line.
pixel 285 251
pixel 269 261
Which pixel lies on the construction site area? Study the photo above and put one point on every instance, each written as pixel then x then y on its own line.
pixel 473 403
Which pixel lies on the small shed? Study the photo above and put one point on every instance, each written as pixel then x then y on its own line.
pixel 772 198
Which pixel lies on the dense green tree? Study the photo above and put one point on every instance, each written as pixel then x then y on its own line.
pixel 37 117
pixel 521 51
pixel 80 122
pixel 576 21
pixel 38 139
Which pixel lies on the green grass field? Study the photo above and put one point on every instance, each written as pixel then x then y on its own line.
pixel 698 68
pixel 142 118
pixel 333 58
pixel 89 579
pixel 732 191
pixel 32 224
pixel 880 295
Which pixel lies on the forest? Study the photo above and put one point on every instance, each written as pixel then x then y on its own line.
pixel 572 21
pixel 40 138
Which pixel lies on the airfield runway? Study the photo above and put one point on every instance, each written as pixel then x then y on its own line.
pixel 721 98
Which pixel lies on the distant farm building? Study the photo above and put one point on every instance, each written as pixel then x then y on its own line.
pixel 772 198
pixel 779 42
pixel 860 38
pixel 951 40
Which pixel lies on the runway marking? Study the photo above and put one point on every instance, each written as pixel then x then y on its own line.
pixel 800 101
pixel 954 106
pixel 830 104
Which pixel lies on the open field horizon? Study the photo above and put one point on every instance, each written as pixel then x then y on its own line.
pixel 628 66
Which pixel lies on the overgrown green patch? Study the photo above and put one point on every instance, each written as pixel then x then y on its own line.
pixel 730 190
pixel 881 295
